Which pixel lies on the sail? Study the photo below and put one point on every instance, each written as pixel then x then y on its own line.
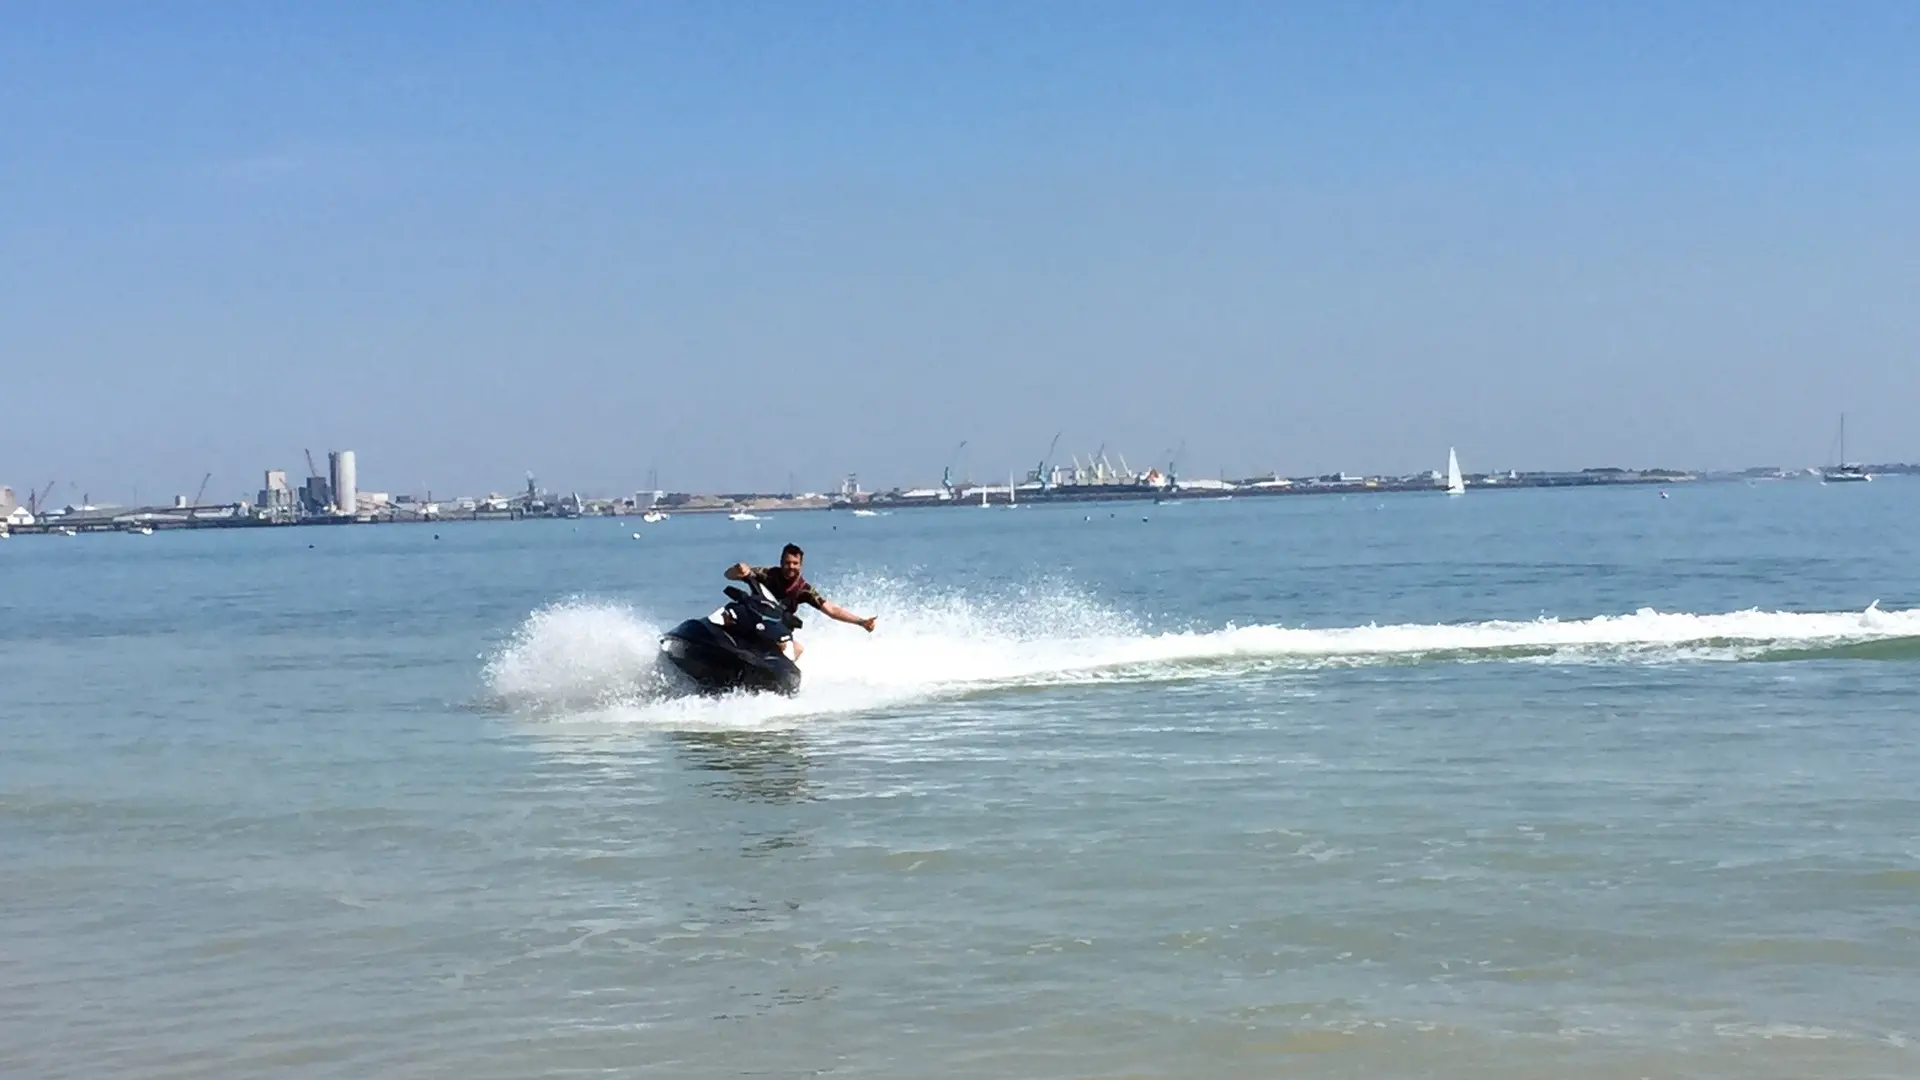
pixel 1455 486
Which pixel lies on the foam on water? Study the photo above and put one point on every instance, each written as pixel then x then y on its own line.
pixel 586 658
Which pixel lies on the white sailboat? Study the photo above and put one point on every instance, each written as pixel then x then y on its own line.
pixel 1455 485
pixel 1846 473
pixel 1013 493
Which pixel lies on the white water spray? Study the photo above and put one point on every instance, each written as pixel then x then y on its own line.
pixel 591 658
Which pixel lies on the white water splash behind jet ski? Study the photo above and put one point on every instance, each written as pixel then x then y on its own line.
pixel 583 657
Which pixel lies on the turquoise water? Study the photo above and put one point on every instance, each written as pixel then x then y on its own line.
pixel 1521 784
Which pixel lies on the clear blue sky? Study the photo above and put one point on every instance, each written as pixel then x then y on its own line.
pixel 736 241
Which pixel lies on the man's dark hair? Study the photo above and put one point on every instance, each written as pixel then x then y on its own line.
pixel 792 549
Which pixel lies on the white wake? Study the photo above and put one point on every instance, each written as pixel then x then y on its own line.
pixel 588 657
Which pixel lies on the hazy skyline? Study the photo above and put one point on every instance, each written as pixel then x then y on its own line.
pixel 738 242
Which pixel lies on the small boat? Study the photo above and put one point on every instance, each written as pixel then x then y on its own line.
pixel 141 530
pixel 866 513
pixel 654 516
pixel 1455 485
pixel 1845 473
pixel 741 515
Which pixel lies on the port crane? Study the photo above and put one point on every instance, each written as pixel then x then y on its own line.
pixel 1040 474
pixel 193 509
pixel 313 474
pixel 36 504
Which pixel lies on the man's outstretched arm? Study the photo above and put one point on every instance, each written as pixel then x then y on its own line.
pixel 836 612
pixel 739 572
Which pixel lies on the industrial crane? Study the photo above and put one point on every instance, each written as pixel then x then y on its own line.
pixel 307 489
pixel 1040 473
pixel 193 508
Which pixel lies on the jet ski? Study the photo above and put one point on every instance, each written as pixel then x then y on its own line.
pixel 738 647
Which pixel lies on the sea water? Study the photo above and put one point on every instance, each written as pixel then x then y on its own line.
pixel 1519 784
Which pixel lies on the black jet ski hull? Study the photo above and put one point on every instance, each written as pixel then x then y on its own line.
pixel 718 663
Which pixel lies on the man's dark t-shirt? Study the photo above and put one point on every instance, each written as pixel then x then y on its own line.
pixel 791 590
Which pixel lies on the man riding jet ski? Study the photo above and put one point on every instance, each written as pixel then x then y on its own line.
pixel 748 644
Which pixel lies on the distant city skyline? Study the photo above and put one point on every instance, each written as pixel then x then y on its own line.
pixel 733 244
pixel 318 494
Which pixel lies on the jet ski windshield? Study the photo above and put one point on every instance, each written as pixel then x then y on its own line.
pixel 755 611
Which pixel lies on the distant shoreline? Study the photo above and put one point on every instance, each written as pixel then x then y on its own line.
pixel 162 519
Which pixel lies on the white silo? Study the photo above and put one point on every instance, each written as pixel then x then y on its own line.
pixel 346 487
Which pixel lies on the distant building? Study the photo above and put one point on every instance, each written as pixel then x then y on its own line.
pixel 276 498
pixel 346 484
pixel 316 497
pixel 7 501
pixel 19 515
pixel 1201 484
